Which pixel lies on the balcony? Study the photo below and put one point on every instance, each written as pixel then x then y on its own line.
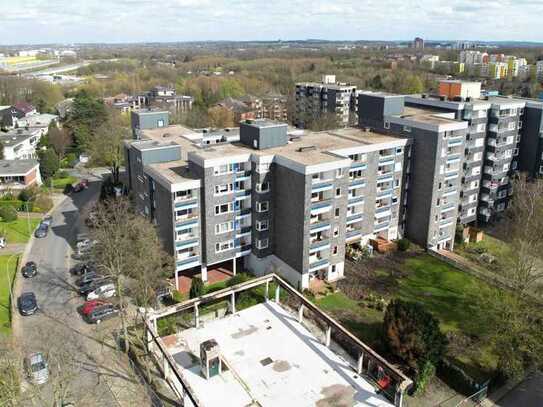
pixel 358 166
pixel 355 218
pixel 317 264
pixel 353 235
pixel 321 207
pixel 183 219
pixel 457 141
pixel 242 194
pixel 321 188
pixel 357 183
pixel 319 245
pixel 187 204
pixel 187 244
pixel 243 231
pixel 243 213
pixel 187 262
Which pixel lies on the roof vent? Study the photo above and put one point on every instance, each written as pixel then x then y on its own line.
pixel 305 149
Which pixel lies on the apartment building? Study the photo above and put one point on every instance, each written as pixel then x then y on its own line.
pixel 531 140
pixel 314 99
pixel 539 70
pixel 492 145
pixel 433 175
pixel 266 199
pixel 148 119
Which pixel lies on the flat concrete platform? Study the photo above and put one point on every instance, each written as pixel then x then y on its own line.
pixel 273 361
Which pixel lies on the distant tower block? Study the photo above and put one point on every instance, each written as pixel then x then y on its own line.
pixel 210 357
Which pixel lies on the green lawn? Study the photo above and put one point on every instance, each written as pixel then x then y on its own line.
pixel 449 294
pixel 490 245
pixel 60 183
pixel 6 276
pixel 19 230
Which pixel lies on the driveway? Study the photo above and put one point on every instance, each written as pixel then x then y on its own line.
pixel 85 367
pixel 527 394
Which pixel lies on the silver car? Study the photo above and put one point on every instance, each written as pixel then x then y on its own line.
pixel 36 368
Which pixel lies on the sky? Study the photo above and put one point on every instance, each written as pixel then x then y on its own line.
pixel 75 21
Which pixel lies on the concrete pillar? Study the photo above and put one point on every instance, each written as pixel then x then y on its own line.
pixel 301 314
pixel 165 367
pixel 233 303
pixel 277 293
pixel 267 290
pixel 177 280
pixel 398 398
pixel 360 363
pixel 234 265
pixel 196 316
pixel 203 270
pixel 328 336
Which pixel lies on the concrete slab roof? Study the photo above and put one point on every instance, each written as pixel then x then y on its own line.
pixel 272 361
pixel 17 167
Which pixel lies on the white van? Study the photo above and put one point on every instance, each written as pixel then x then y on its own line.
pixel 103 291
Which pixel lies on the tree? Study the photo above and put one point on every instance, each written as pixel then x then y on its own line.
pixel 87 114
pixel 49 163
pixel 106 147
pixel 324 121
pixel 413 335
pixel 220 117
pixel 1 151
pixel 196 287
pixel 59 139
pixel 8 213
pixel 128 250
pixel 515 315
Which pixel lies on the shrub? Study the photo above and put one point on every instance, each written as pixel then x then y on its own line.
pixel 28 194
pixel 413 335
pixel 426 373
pixel 42 203
pixel 196 287
pixel 68 188
pixel 403 245
pixel 62 174
pixel 8 213
pixel 238 279
pixel 71 159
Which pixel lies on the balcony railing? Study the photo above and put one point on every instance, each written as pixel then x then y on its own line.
pixel 318 264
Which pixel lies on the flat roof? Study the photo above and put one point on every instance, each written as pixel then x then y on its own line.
pixel 264 123
pixel 16 167
pixel 174 172
pixel 426 116
pixel 309 148
pixel 16 136
pixel 272 360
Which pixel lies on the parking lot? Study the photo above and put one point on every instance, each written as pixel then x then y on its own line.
pixel 85 367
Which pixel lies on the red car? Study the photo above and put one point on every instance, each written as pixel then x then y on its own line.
pixel 89 306
pixel 80 186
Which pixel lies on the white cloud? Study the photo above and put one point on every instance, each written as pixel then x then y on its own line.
pixel 42 21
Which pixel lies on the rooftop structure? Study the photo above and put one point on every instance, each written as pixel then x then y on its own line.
pixel 270 355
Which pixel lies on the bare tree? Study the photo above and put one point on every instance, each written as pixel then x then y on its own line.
pixel 60 140
pixel 128 250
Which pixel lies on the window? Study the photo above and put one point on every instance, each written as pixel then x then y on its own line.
pixel 407 129
pixel 224 227
pixel 228 168
pixel 262 225
pixel 183 212
pixel 333 269
pixel 339 173
pixel 183 194
pixel 338 192
pixel 336 212
pixel 336 231
pixel 224 246
pixel 160 123
pixel 438 202
pixel 224 208
pixel 263 206
pixel 387 124
pixel 264 187
pixel 262 244
pixel 223 189
pixel 334 250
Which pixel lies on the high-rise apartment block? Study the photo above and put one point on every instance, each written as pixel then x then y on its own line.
pixel 418 43
pixel 315 99
pixel 267 199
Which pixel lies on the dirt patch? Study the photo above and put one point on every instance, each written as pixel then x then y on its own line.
pixel 337 395
pixel 281 366
pixel 242 333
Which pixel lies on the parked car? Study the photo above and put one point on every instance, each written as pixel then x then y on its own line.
pixel 102 291
pixel 36 368
pixel 87 277
pixel 47 220
pixel 30 269
pixel 82 268
pixel 91 286
pixel 101 312
pixel 81 185
pixel 3 242
pixel 41 231
pixel 27 303
pixel 88 306
pixel 83 247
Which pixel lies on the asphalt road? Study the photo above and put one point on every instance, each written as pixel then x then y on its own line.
pixel 77 352
pixel 528 394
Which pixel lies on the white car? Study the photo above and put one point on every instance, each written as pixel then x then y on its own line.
pixel 103 291
pixel 36 368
